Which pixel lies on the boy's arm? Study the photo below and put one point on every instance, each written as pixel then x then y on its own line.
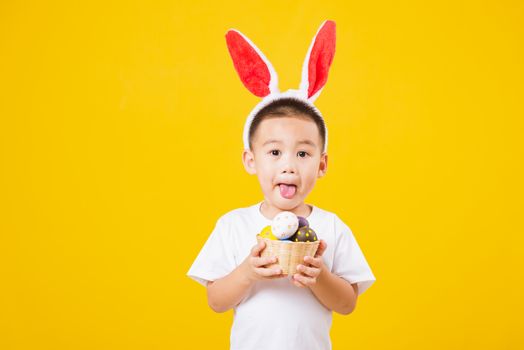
pixel 228 291
pixel 334 292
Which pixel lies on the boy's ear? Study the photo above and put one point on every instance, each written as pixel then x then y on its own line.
pixel 248 158
pixel 322 168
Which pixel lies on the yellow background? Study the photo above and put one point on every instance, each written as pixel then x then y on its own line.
pixel 120 141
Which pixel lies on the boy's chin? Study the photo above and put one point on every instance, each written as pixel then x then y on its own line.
pixel 285 204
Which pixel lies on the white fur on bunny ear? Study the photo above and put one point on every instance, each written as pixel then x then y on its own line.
pixel 318 60
pixel 255 70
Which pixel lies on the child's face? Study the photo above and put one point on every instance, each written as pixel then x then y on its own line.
pixel 287 159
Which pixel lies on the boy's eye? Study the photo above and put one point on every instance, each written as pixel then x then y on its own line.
pixel 276 152
pixel 302 154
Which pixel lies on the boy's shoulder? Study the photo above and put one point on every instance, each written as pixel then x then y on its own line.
pixel 332 219
pixel 233 215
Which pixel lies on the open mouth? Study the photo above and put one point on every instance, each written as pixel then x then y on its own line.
pixel 287 190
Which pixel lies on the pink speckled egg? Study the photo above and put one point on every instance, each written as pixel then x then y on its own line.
pixel 284 225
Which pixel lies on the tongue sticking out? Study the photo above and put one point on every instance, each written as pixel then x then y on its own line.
pixel 287 191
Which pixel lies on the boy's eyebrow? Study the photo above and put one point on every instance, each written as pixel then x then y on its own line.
pixel 307 142
pixel 271 141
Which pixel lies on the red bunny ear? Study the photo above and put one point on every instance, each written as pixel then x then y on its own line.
pixel 318 60
pixel 255 71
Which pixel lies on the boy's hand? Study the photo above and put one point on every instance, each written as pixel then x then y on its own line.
pixel 255 265
pixel 308 273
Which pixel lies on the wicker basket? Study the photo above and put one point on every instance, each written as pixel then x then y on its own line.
pixel 290 254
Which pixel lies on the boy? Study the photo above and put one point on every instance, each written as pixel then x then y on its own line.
pixel 285 141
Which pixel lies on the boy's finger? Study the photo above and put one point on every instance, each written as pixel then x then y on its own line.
pixel 316 262
pixel 276 277
pixel 306 281
pixel 268 272
pixel 258 248
pixel 298 284
pixel 259 261
pixel 308 271
pixel 321 248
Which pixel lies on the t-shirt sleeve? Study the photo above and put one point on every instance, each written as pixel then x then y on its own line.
pixel 216 258
pixel 349 261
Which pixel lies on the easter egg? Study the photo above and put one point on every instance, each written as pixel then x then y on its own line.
pixel 304 234
pixel 266 233
pixel 284 225
pixel 302 221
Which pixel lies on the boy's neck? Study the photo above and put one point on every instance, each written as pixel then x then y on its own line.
pixel 269 211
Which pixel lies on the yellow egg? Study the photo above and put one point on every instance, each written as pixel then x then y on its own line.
pixel 266 233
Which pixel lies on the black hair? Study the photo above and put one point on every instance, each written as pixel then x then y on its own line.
pixel 288 107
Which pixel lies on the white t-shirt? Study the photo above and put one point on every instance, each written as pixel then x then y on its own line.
pixel 276 314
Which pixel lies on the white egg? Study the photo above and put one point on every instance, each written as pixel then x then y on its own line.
pixel 284 225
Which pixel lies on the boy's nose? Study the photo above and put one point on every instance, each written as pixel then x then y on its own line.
pixel 289 167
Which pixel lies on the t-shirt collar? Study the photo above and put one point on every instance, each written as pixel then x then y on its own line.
pixel 260 216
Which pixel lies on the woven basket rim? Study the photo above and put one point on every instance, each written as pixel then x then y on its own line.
pixel 281 241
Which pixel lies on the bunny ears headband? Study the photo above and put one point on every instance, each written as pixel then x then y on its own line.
pixel 260 78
